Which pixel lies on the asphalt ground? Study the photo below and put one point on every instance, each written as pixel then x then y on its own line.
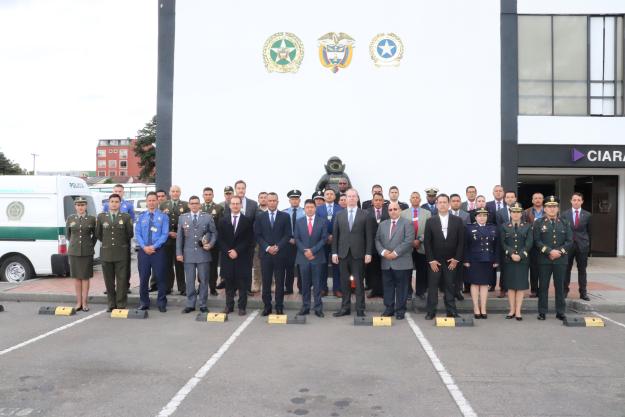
pixel 170 364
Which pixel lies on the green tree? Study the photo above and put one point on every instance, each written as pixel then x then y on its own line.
pixel 146 151
pixel 8 167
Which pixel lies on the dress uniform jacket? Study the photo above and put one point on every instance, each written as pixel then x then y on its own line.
pixel 174 211
pixel 517 240
pixel 114 235
pixel 190 237
pixel 550 235
pixel 80 233
pixel 215 210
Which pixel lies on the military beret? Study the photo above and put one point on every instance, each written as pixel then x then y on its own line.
pixel 228 189
pixel 294 193
pixel 552 201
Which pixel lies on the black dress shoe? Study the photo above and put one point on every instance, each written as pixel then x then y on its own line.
pixel 143 308
pixel 484 316
pixel 388 313
pixel 341 313
pixel 204 309
pixel 584 297
pixel 288 292
pixel 128 292
pixel 303 312
pixel 187 310
pixel 510 316
pixel 560 316
pixel 477 316
pixel 491 288
pixel 519 318
pixel 266 312
pixel 242 312
pixel 162 309
pixel 250 293
pixel 459 297
pixel 221 285
pixel 279 311
pixel 430 316
pixel 183 293
pixel 360 314
pixel 541 316
pixel 400 316
pixel 109 310
pixel 227 310
pixel 456 315
pixel 214 292
pixel 153 289
pixel 319 314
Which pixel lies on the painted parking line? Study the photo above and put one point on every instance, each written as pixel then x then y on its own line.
pixel 456 394
pixel 618 323
pixel 175 402
pixel 50 333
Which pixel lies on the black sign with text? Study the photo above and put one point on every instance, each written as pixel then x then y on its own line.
pixel 572 156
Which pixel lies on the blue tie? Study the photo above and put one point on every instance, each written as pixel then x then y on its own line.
pixel 271 219
pixel 351 219
pixel 330 210
pixel 150 225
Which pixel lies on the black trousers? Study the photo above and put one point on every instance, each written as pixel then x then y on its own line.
pixel 174 268
pixel 395 290
pixel 212 270
pixel 546 271
pixel 421 274
pixel 447 279
pixel 534 270
pixel 234 284
pixel 373 275
pixel 290 270
pixel 581 258
pixel 272 266
pixel 350 266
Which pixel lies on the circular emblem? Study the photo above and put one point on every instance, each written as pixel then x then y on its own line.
pixel 386 49
pixel 283 52
pixel 15 210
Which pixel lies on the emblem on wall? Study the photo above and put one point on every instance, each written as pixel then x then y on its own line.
pixel 336 50
pixel 283 52
pixel 386 49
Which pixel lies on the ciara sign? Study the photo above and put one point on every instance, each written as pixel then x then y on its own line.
pixel 577 156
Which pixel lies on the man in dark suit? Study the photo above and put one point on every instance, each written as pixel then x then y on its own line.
pixel 352 245
pixel 430 204
pixel 376 189
pixel 579 221
pixel 273 231
pixel 328 210
pixel 497 204
pixel 393 196
pixel 531 214
pixel 236 239
pixel 249 208
pixel 455 209
pixel 444 246
pixel 311 234
pixel 373 271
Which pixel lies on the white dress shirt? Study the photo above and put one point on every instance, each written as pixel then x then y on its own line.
pixel 444 223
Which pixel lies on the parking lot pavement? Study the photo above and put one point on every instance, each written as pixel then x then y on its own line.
pixel 327 367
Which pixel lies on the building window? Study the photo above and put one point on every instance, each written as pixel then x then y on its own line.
pixel 124 142
pixel 112 164
pixel 101 163
pixel 122 173
pixel 110 151
pixel 115 150
pixel 113 142
pixel 123 164
pixel 101 153
pixel 101 173
pixel 123 153
pixel 112 173
pixel 556 54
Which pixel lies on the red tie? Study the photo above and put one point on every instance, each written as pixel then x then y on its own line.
pixel 310 226
pixel 415 216
pixel 576 218
pixel 392 229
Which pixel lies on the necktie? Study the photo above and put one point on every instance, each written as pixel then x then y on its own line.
pixel 576 218
pixel 293 217
pixel 516 227
pixel 234 223
pixel 377 214
pixel 310 226
pixel 351 219
pixel 471 205
pixel 330 210
pixel 272 219
pixel 498 206
pixel 194 220
pixel 415 221
pixel 392 229
pixel 113 215
pixel 150 225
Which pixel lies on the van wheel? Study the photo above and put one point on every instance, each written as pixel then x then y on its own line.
pixel 15 269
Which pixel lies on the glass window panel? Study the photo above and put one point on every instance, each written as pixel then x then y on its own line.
pixel 570 98
pixel 596 89
pixel 619 99
pixel 535 64
pixel 619 49
pixel 608 89
pixel 596 107
pixel 570 65
pixel 608 56
pixel 596 48
pixel 608 106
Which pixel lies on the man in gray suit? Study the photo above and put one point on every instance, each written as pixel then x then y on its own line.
pixel 393 242
pixel 471 203
pixel 417 216
pixel 455 203
pixel 579 221
pixel 196 237
pixel 352 244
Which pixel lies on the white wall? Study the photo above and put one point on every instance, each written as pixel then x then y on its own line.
pixel 413 126
pixel 570 6
pixel 554 130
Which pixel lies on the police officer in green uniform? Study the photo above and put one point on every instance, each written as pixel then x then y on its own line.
pixel 114 229
pixel 173 208
pixel 217 211
pixel 517 240
pixel 553 238
pixel 80 233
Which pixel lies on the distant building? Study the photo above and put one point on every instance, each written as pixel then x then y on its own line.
pixel 116 158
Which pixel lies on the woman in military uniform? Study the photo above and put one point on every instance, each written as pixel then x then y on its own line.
pixel 481 257
pixel 80 233
pixel 516 241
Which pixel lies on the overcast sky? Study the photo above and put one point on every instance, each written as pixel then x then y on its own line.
pixel 73 72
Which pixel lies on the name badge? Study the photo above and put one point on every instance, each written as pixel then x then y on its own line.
pixel 121 222
pixel 329 217
pixel 153 229
pixel 72 224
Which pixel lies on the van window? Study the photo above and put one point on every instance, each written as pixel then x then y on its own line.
pixel 68 205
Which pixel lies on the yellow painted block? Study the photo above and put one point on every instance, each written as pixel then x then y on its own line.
pixel 217 317
pixel 64 311
pixel 277 319
pixel 445 322
pixel 119 313
pixel 594 322
pixel 382 321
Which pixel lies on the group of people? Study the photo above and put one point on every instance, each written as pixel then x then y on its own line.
pixel 377 245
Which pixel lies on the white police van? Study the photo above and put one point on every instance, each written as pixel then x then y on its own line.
pixel 33 210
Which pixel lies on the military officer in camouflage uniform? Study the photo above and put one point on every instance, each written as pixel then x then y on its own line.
pixel 173 208
pixel 80 233
pixel 517 240
pixel 114 229
pixel 553 238
pixel 216 211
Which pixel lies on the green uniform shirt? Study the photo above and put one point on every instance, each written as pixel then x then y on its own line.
pixel 552 235
pixel 115 233
pixel 517 241
pixel 173 210
pixel 80 233
pixel 214 210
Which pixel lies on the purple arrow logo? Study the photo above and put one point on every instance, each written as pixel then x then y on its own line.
pixel 576 155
